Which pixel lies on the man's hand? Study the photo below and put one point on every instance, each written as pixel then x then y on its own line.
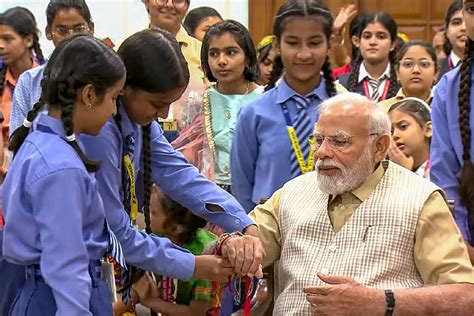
pixel 344 296
pixel 245 253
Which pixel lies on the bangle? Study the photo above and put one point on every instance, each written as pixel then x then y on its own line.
pixel 222 239
pixel 390 298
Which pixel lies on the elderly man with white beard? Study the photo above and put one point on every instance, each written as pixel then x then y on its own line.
pixel 361 235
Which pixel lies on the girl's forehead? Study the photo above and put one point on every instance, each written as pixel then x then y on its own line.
pixel 375 27
pixel 304 24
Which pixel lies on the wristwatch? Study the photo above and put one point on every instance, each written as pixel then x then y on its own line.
pixel 390 298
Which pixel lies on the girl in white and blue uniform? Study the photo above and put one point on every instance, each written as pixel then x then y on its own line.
pixel 55 222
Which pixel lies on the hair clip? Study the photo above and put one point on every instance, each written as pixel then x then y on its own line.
pixel 267 40
pixel 71 138
pixel 27 123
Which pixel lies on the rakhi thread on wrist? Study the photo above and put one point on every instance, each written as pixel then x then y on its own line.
pixel 235 284
pixel 167 289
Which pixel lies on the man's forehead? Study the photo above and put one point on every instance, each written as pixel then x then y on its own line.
pixel 351 122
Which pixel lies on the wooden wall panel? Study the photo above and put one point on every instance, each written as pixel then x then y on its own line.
pixel 418 18
pixel 406 10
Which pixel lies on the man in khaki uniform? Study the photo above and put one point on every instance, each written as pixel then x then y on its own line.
pixel 358 234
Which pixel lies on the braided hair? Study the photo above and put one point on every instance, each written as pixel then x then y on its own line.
pixel 454 7
pixel 303 8
pixel 76 62
pixel 389 23
pixel 355 29
pixel 22 21
pixel 467 173
pixel 138 53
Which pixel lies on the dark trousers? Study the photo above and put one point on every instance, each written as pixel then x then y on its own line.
pixel 12 278
pixel 36 297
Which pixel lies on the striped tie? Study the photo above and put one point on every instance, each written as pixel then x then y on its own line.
pixel 374 84
pixel 115 249
pixel 303 129
pixel 126 270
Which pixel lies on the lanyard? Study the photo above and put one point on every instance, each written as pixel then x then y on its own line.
pixel 450 63
pixel 133 196
pixel 367 92
pixel 304 167
pixel 426 171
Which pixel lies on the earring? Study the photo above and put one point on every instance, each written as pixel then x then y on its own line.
pixel 88 106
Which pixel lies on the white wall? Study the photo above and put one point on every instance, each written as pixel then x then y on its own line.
pixel 118 19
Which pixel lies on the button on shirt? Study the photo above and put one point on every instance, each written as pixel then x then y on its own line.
pixel 54 216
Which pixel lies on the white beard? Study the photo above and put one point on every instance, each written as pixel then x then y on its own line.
pixel 347 179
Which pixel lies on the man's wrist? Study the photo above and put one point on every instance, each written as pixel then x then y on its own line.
pixel 378 302
pixel 252 230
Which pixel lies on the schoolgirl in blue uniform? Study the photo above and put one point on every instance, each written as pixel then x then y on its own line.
pixel 54 216
pixel 452 144
pixel 262 155
pixel 134 153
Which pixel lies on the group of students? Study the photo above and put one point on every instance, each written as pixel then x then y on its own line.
pixel 84 123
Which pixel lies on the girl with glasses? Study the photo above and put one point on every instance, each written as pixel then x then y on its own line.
pixel 417 72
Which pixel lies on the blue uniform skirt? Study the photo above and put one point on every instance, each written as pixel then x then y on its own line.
pixel 36 297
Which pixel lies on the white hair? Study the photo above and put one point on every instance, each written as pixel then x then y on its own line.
pixel 379 123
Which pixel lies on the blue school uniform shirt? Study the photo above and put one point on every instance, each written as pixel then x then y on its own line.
pixel 261 148
pixel 446 146
pixel 27 93
pixel 175 177
pixel 54 215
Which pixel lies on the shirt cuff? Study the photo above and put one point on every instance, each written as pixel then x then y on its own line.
pixel 245 222
pixel 183 266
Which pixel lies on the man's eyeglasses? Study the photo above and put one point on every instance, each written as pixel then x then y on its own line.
pixel 65 31
pixel 422 64
pixel 178 4
pixel 337 142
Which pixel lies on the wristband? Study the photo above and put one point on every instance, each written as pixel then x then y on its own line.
pixel 390 298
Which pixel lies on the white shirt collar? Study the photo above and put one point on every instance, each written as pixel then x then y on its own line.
pixel 364 74
pixel 454 58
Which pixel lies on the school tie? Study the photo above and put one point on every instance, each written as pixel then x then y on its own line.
pixel 126 271
pixel 303 129
pixel 130 145
pixel 375 85
pixel 115 249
